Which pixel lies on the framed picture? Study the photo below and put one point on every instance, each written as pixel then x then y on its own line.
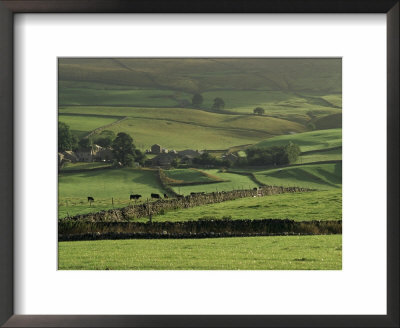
pixel 165 166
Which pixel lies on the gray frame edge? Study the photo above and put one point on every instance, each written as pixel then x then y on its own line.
pixel 6 165
pixel 8 8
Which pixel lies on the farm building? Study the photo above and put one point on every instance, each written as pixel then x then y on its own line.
pixel 104 154
pixel 156 149
pixel 163 160
pixel 230 157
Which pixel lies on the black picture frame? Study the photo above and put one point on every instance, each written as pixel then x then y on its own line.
pixel 10 7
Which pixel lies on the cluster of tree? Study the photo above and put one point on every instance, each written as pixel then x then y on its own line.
pixel 259 111
pixel 197 101
pixel 125 151
pixel 208 159
pixel 66 140
pixel 275 155
pixel 122 145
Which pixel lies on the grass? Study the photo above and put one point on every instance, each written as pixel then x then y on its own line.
pixel 234 181
pixel 184 176
pixel 307 206
pixel 84 166
pixel 315 140
pixel 316 176
pixel 205 74
pixel 202 130
pixel 103 185
pixel 81 126
pixel 88 94
pixel 319 156
pixel 245 253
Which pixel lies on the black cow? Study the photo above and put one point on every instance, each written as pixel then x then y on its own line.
pixel 156 196
pixel 165 196
pixel 90 199
pixel 135 197
pixel 255 188
pixel 192 194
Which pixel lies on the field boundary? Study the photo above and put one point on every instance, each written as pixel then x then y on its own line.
pixel 149 209
pixel 203 228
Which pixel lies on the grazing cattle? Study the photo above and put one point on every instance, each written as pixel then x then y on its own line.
pixel 156 196
pixel 90 199
pixel 192 194
pixel 135 197
pixel 255 188
pixel 165 196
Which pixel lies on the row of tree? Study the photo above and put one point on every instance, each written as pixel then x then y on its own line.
pixel 121 144
pixel 275 155
pixel 197 101
pixel 219 104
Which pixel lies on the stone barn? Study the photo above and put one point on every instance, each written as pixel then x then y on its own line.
pixel 156 149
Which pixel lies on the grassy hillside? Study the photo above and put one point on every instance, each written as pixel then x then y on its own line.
pixel 81 126
pixel 315 140
pixel 202 130
pixel 320 156
pixel 189 176
pixel 316 205
pixel 103 185
pixel 234 181
pixel 194 75
pixel 316 176
pixel 251 253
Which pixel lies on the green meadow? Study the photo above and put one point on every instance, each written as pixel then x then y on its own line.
pixel 315 140
pixel 190 176
pixel 232 182
pixel 244 253
pixel 105 186
pixel 315 176
pixel 306 206
pixel 81 126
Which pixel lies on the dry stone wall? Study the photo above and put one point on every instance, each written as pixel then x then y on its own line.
pixel 148 209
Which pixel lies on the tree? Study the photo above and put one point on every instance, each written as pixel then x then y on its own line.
pixel 105 138
pixel 259 111
pixel 293 152
pixel 85 143
pixel 218 103
pixel 66 140
pixel 197 100
pixel 123 149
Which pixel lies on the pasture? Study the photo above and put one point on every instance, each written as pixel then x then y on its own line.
pixel 189 176
pixel 315 140
pixel 84 166
pixel 322 252
pixel 334 154
pixel 306 206
pixel 103 185
pixel 323 176
pixel 202 130
pixel 233 182
pixel 81 126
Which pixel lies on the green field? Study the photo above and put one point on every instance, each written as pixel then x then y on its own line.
pixel 84 166
pixel 189 176
pixel 234 182
pixel 315 140
pixel 320 156
pixel 81 126
pixel 314 176
pixel 307 206
pixel 202 130
pixel 245 253
pixel 103 185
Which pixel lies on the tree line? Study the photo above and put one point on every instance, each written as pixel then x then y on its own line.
pixel 123 148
